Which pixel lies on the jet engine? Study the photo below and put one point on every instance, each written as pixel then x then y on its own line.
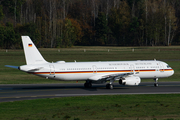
pixel 130 80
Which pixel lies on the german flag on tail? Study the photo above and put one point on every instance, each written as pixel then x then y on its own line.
pixel 29 45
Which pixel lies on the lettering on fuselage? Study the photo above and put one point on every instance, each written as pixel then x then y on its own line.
pixel 143 63
pixel 118 64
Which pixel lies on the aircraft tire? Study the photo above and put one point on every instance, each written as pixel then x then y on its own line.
pixel 109 86
pixel 155 85
pixel 120 82
pixel 87 85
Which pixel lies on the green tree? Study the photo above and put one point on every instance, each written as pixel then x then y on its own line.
pixel 68 35
pixel 119 23
pixel 101 29
pixel 77 30
pixel 1 12
pixel 134 26
pixel 31 30
pixel 2 31
pixel 8 36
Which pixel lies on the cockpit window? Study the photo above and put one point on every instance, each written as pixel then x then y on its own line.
pixel 168 66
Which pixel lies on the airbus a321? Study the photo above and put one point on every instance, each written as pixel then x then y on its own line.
pixel 126 72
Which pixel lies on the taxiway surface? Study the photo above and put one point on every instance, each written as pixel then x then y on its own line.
pixel 36 91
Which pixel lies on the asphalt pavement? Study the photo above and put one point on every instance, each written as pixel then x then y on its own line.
pixel 37 91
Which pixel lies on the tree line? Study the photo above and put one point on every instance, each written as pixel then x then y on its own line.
pixel 64 23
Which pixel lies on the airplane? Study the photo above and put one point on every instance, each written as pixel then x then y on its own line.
pixel 126 72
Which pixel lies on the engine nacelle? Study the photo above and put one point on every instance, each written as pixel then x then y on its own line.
pixel 130 80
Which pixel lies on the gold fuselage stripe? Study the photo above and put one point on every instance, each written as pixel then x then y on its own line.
pixel 112 71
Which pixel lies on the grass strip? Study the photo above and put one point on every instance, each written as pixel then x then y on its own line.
pixel 117 107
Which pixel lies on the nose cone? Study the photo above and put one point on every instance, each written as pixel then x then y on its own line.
pixel 172 72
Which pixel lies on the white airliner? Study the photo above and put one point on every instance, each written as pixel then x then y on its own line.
pixel 126 72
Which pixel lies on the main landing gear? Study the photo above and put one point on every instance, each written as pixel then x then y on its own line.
pixel 87 84
pixel 156 82
pixel 109 86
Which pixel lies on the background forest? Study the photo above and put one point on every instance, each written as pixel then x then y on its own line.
pixel 64 23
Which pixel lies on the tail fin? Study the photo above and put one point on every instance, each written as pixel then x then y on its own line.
pixel 32 55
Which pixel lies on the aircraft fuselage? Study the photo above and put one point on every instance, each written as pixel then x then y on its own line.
pixel 85 70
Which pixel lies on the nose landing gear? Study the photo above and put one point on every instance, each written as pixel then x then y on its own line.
pixel 156 82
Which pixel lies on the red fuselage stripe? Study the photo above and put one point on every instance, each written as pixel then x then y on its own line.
pixel 116 71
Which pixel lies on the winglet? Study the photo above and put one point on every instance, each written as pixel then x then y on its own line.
pixel 32 54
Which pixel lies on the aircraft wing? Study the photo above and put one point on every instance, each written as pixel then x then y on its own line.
pixel 108 77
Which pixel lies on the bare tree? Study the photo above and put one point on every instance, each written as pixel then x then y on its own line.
pixel 15 3
pixel 172 24
pixel 165 21
pixel 146 4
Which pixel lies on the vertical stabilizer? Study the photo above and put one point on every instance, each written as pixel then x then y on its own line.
pixel 32 54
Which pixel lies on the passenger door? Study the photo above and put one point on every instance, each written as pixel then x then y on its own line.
pixel 52 70
pixel 132 68
pixel 94 69
pixel 161 67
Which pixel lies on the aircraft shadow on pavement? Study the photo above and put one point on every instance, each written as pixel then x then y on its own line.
pixel 68 87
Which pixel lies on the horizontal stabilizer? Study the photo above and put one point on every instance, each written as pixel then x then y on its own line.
pixel 15 67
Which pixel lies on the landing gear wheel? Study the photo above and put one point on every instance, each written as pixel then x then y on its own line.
pixel 155 85
pixel 87 85
pixel 109 86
